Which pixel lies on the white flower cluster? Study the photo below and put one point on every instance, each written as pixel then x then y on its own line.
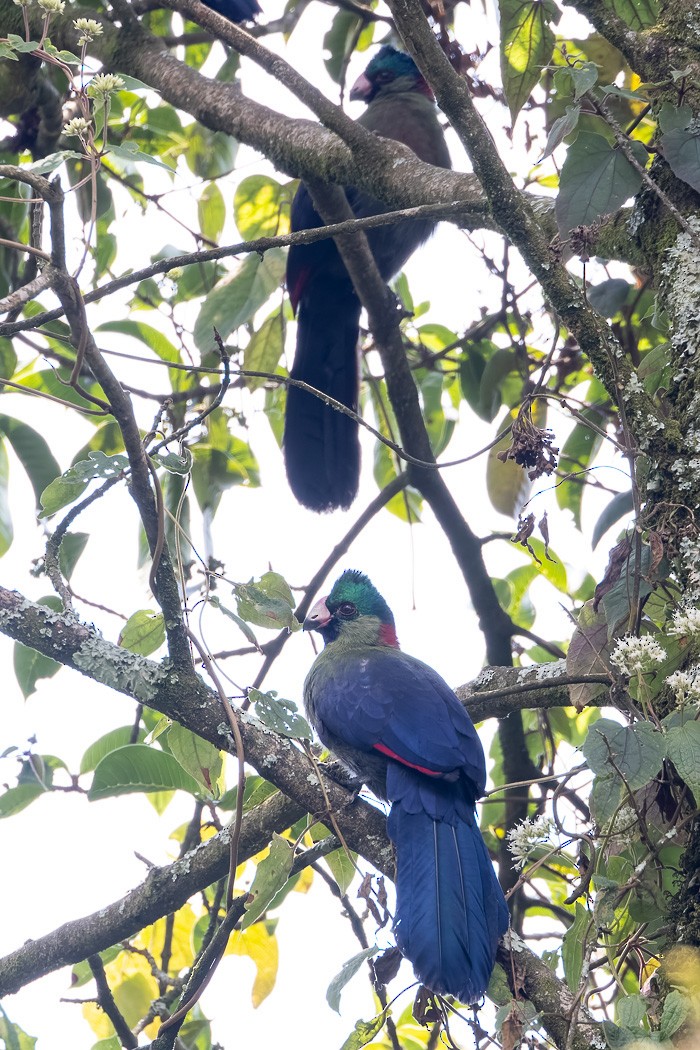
pixel 104 84
pixel 633 655
pixel 685 684
pixel 527 836
pixel 89 29
pixel 76 126
pixel 52 7
pixel 686 622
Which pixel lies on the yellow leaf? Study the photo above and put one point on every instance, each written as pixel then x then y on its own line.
pixel 261 947
pixel 134 988
pixel 153 939
pixel 303 883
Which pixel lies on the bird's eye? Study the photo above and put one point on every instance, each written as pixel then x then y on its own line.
pixel 346 610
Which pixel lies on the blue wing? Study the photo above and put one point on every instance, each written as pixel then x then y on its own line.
pixel 380 699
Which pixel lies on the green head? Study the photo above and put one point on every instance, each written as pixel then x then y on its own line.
pixel 389 71
pixel 354 610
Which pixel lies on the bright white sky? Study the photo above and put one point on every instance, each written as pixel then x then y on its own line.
pixel 64 857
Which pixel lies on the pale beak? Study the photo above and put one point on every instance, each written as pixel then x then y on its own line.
pixel 318 617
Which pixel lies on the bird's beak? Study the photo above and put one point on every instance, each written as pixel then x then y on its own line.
pixel 362 90
pixel 318 617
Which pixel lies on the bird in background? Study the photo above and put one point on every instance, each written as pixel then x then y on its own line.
pixel 321 445
pixel 399 727
pixel 235 10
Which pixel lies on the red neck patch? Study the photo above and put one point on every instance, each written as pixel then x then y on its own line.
pixel 387 635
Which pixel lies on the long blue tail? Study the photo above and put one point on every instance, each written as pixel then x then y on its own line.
pixel 450 909
pixel 321 445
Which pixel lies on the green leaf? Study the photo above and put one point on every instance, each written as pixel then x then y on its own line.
pixel 364 1032
pixel 197 757
pixel 527 42
pixel 66 488
pixel 561 127
pixel 216 469
pixel 14 1037
pixel 631 1010
pixel 18 798
pixel 211 211
pixel 259 207
pixel 237 297
pixel 673 117
pixel 596 179
pixel 340 41
pixel 267 603
pixel 130 152
pixel 6 530
pixel 271 876
pixel 33 452
pixel 635 14
pixel 72 546
pixel 609 297
pixel 143 632
pixel 573 946
pixel 110 741
pixel 583 78
pixel 507 484
pixel 347 972
pixel 683 749
pixel 616 600
pixel 8 359
pixel 605 798
pixel 264 350
pixel 619 507
pixel 499 366
pixel 280 715
pixel 137 767
pixel 677 1007
pixel 634 752
pixel 681 149
pixel 656 369
pixel 578 452
pixel 240 623
pixel 31 665
pixel 343 867
pixel 210 154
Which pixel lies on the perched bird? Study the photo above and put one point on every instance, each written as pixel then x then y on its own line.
pixel 396 724
pixel 235 10
pixel 321 446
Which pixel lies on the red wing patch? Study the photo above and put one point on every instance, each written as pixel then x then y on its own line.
pixel 296 279
pixel 411 765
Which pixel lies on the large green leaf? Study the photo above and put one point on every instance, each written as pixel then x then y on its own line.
pixel 634 752
pixel 264 350
pixel 635 14
pixel 33 452
pixel 347 972
pixel 211 211
pixel 143 632
pixel 110 741
pixel 137 767
pixel 527 42
pixel 681 150
pixel 271 875
pixel 683 748
pixel 6 531
pixel 238 296
pixel 574 944
pixel 596 180
pixel 259 207
pixel 197 757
